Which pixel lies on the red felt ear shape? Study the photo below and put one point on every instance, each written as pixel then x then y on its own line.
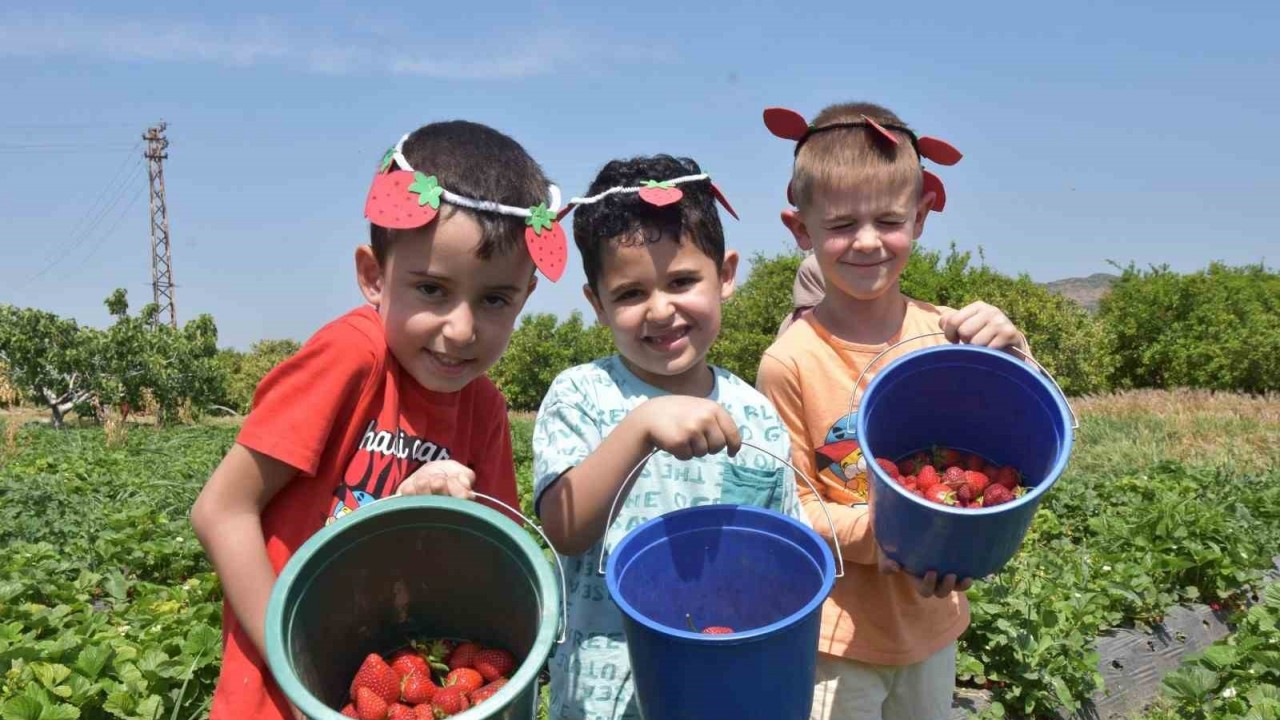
pixel 715 190
pixel 933 184
pixel 786 124
pixel 939 151
pixel 391 205
pixel 883 133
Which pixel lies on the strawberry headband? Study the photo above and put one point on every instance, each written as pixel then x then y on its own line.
pixel 658 193
pixel 791 125
pixel 402 198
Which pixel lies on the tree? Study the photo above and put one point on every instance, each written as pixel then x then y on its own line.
pixel 243 371
pixel 540 349
pixel 46 356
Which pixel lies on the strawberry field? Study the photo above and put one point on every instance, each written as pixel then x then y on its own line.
pixel 108 608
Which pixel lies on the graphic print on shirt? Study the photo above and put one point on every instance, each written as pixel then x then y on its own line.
pixel 382 460
pixel 840 464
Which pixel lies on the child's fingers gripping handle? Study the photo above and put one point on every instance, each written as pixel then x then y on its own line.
pixel 635 473
pixel 564 586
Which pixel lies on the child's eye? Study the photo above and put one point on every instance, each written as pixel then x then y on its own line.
pixel 892 222
pixel 626 295
pixel 496 301
pixel 684 282
pixel 431 290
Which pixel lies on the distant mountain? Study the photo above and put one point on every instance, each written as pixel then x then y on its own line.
pixel 1086 290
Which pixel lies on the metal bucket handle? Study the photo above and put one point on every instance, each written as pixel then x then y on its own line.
pixel 853 398
pixel 635 473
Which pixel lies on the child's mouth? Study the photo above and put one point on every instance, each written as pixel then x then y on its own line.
pixel 448 364
pixel 667 340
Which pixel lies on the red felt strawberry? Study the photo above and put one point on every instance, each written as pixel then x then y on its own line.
pixel 417 688
pixel 940 494
pixel 660 194
pixel 450 701
pixel 996 495
pixel 369 705
pixel 889 467
pixel 494 663
pixel 464 656
pixel 406 662
pixel 376 675
pixel 402 200
pixel 465 678
pixel 927 477
pixel 486 692
pixel 546 242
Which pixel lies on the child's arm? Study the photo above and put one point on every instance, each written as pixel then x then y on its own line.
pixel 227 517
pixel 981 324
pixel 575 507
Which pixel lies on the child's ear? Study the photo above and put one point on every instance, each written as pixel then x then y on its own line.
pixel 591 297
pixel 922 213
pixel 795 223
pixel 728 274
pixel 369 275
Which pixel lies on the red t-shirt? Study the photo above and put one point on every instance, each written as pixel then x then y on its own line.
pixel 355 424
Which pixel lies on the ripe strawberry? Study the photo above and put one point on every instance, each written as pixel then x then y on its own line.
pixel 369 705
pixel 417 688
pixel 1008 477
pixel 996 495
pixel 911 486
pixel 400 712
pixel 424 712
pixel 406 662
pixel 940 494
pixel 717 630
pixel 376 675
pixel 494 663
pixel 974 462
pixel 964 496
pixel 486 692
pixel 943 457
pixel 450 701
pixel 465 678
pixel 889 467
pixel 927 477
pixel 975 505
pixel 464 656
pixel 349 710
pixel 907 480
pixel 976 482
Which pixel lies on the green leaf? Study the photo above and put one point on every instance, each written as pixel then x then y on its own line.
pixel 201 641
pixel 150 707
pixel 1219 657
pixel 116 586
pixel 61 711
pixel 50 675
pixel 540 218
pixel 21 708
pixel 92 660
pixel 427 188
pixel 1192 684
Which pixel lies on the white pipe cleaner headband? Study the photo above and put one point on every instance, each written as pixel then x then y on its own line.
pixel 655 192
pixel 402 198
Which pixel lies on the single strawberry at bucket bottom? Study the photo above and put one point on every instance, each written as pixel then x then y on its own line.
pixel 710 629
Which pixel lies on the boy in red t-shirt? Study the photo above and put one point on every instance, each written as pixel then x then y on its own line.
pixel 390 397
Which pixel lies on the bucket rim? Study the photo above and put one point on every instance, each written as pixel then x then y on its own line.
pixel 828 578
pixel 1033 496
pixel 548 626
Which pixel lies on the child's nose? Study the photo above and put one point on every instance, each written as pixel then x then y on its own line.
pixel 460 325
pixel 660 310
pixel 866 238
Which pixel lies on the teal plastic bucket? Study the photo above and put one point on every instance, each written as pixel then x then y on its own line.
pixel 404 568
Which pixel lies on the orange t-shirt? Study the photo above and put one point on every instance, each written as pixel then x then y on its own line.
pixel 354 423
pixel 809 374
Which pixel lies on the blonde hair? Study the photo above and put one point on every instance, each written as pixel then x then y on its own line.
pixel 847 156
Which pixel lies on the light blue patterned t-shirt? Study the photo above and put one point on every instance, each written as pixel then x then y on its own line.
pixel 590 672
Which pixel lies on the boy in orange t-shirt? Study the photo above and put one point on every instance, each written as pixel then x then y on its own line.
pixel 888 640
pixel 390 397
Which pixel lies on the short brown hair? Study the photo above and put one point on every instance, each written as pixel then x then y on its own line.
pixel 478 162
pixel 852 155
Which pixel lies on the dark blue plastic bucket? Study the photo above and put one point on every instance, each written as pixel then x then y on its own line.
pixel 759 572
pixel 976 400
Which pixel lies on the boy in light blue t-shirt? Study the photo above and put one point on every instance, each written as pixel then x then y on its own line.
pixel 657 272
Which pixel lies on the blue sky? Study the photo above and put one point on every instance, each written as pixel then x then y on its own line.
pixel 1091 131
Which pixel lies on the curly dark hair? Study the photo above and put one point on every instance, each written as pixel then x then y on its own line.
pixel 478 162
pixel 625 218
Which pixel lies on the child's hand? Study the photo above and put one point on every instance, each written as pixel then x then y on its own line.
pixel 929 585
pixel 981 324
pixel 689 427
pixel 442 477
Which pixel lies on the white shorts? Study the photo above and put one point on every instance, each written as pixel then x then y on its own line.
pixel 850 690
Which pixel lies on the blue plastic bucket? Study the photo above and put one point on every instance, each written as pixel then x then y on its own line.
pixel 972 399
pixel 757 571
